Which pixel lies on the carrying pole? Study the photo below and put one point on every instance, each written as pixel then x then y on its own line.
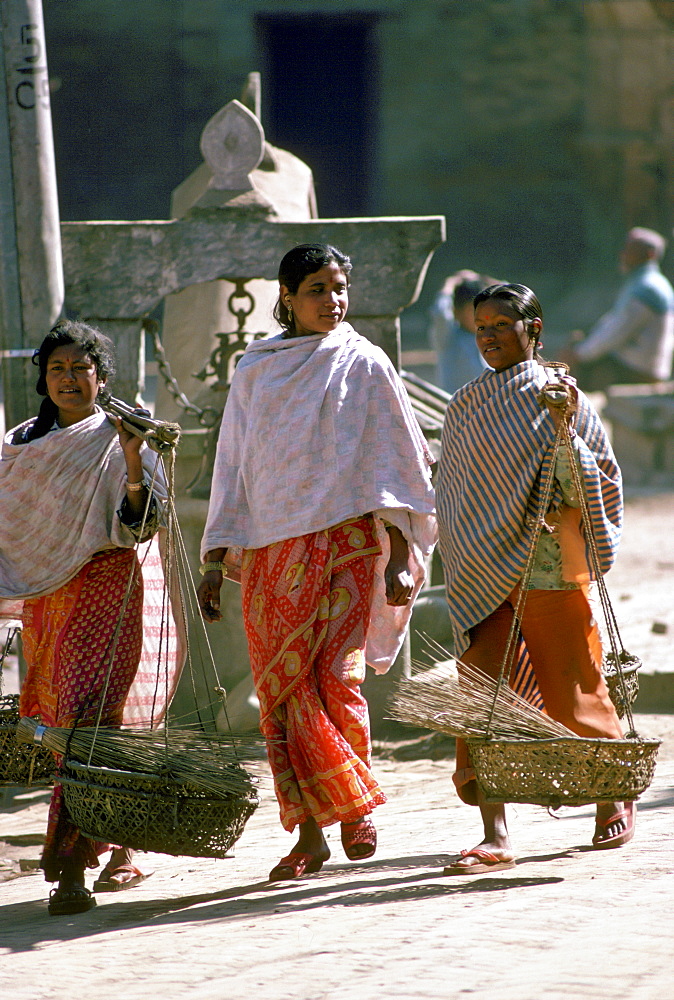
pixel 31 268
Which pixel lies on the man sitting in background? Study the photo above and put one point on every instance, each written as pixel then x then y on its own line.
pixel 634 341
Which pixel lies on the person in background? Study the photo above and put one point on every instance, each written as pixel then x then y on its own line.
pixel 497 440
pixel 634 341
pixel 322 478
pixel 452 330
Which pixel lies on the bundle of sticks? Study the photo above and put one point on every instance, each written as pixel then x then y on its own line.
pixel 462 701
pixel 208 763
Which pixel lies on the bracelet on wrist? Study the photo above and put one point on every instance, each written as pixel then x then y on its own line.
pixel 136 487
pixel 216 565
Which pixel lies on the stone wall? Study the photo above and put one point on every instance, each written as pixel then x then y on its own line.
pixel 540 129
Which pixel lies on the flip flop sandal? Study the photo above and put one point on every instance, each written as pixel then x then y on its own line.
pixel 294 866
pixel 74 900
pixel 359 839
pixel 487 862
pixel 600 842
pixel 106 883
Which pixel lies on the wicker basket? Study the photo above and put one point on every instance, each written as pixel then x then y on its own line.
pixel 151 813
pixel 20 764
pixel 629 667
pixel 563 772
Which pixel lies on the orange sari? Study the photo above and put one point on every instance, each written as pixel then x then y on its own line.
pixel 67 636
pixel 306 607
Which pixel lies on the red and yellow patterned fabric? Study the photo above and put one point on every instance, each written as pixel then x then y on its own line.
pixel 67 639
pixel 306 605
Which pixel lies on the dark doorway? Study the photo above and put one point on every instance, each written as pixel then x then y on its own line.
pixel 319 90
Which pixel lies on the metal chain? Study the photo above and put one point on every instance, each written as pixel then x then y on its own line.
pixel 208 416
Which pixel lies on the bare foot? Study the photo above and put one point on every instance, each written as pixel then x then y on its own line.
pixel 72 877
pixel 306 857
pixel 71 895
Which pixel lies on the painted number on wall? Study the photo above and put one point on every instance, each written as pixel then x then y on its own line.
pixel 33 85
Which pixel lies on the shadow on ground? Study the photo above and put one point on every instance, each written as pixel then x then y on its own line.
pixel 370 884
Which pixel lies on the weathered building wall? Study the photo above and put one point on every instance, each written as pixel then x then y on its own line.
pixel 540 128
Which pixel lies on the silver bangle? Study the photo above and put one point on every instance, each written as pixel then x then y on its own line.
pixel 136 487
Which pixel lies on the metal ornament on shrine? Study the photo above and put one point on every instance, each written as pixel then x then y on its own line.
pixel 231 346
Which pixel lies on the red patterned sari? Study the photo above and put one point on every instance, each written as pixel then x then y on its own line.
pixel 67 637
pixel 306 607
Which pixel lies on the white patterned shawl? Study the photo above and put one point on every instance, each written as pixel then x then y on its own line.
pixel 59 497
pixel 318 429
pixel 496 450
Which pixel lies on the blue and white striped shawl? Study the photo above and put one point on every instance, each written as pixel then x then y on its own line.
pixel 496 449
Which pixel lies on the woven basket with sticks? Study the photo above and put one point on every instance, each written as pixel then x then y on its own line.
pixel 519 754
pixel 529 757
pixel 186 797
pixel 571 771
pixel 151 813
pixel 20 765
pixel 23 766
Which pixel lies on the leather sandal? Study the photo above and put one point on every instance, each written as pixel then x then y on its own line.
pixel 106 882
pixel 294 866
pixel 76 899
pixel 603 843
pixel 485 862
pixel 359 839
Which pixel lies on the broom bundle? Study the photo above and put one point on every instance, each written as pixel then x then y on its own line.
pixel 467 705
pixel 208 763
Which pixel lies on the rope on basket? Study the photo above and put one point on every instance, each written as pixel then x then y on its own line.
pixel 556 394
pixel 176 562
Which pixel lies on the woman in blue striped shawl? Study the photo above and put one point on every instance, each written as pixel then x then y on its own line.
pixel 496 448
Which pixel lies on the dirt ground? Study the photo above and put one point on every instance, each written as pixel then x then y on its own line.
pixel 567 922
pixel 641 584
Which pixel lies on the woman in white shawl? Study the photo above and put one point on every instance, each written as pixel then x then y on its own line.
pixel 322 479
pixel 74 485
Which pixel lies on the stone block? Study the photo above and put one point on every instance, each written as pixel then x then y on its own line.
pixel 639 455
pixel 430 618
pixel 123 270
pixel 642 418
pixel 656 693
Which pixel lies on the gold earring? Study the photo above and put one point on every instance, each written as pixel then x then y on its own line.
pixel 290 312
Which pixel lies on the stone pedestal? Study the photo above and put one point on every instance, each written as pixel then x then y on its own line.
pixel 642 422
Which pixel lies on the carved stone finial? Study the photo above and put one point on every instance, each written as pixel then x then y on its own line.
pixel 232 143
pixel 251 94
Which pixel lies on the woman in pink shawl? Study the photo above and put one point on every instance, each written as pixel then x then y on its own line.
pixel 74 487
